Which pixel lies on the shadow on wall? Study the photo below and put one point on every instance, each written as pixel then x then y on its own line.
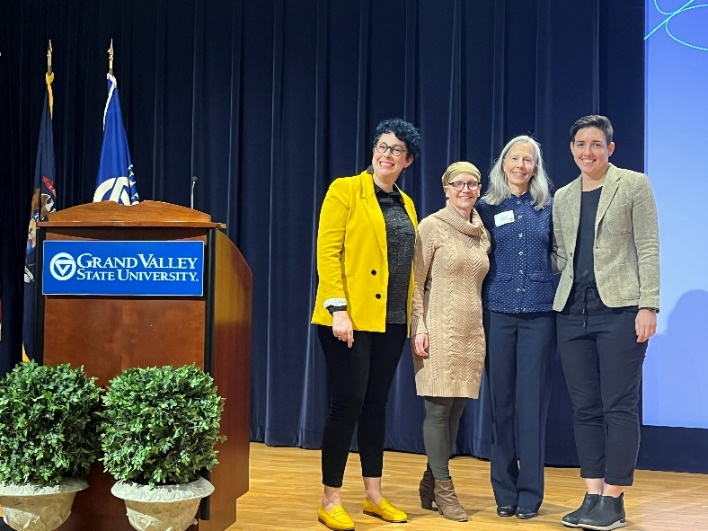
pixel 674 390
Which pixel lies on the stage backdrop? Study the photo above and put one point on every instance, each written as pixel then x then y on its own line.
pixel 266 102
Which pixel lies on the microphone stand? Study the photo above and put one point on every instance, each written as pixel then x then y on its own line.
pixel 191 194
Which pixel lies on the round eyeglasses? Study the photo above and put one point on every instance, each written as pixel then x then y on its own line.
pixel 395 150
pixel 460 185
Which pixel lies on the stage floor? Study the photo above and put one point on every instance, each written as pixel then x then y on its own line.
pixel 285 494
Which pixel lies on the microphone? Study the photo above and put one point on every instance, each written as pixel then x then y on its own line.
pixel 191 194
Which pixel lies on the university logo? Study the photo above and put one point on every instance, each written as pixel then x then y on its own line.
pixel 62 266
pixel 113 189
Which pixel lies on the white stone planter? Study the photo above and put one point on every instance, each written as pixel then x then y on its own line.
pixel 29 507
pixel 164 507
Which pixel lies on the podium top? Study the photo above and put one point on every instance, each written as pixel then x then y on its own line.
pixel 144 214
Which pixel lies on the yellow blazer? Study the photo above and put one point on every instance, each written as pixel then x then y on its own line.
pixel 352 260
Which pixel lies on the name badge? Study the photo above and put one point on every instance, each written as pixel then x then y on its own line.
pixel 503 218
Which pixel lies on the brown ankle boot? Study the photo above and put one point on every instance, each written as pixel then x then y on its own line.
pixel 447 502
pixel 427 490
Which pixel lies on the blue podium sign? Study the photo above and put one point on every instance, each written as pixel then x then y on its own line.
pixel 123 268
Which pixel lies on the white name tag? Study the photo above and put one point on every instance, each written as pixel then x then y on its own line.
pixel 503 218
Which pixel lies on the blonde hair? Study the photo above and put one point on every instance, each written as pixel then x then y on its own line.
pixel 458 168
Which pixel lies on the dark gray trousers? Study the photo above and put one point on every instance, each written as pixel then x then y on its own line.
pixel 602 362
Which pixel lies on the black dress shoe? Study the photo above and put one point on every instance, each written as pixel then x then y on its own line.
pixel 506 510
pixel 572 519
pixel 525 514
pixel 607 514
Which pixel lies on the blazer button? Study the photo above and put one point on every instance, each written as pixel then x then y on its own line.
pixel 373 272
pixel 378 295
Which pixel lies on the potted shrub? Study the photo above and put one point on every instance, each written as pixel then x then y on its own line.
pixel 48 442
pixel 158 431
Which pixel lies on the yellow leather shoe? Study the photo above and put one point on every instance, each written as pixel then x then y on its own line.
pixel 385 510
pixel 337 519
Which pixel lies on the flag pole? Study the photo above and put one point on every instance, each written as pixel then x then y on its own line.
pixel 110 58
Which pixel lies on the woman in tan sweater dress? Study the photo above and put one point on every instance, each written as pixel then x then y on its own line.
pixel 446 327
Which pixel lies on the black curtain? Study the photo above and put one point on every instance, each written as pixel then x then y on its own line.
pixel 266 102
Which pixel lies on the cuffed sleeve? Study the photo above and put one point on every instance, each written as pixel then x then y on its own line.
pixel 330 241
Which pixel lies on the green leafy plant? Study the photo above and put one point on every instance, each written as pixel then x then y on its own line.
pixel 160 425
pixel 48 420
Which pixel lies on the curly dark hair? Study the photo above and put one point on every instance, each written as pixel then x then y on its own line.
pixel 404 131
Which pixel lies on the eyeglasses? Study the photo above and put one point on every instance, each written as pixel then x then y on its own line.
pixel 460 185
pixel 395 150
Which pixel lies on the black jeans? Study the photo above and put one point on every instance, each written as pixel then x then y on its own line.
pixel 520 351
pixel 359 382
pixel 602 362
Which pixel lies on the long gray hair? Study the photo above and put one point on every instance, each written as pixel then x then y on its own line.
pixel 539 187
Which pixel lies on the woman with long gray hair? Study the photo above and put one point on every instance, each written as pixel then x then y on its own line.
pixel 519 323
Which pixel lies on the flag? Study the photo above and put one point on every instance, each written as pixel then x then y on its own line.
pixel 44 199
pixel 115 180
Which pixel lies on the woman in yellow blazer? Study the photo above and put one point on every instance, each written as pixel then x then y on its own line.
pixel 365 245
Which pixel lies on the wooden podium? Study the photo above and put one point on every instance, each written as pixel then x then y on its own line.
pixel 107 334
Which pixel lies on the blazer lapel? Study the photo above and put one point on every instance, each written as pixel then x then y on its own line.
pixel 372 207
pixel 573 213
pixel 609 189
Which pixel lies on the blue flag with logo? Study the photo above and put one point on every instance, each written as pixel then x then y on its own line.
pixel 115 180
pixel 44 199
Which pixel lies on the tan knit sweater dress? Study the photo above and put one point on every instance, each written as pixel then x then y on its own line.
pixel 450 264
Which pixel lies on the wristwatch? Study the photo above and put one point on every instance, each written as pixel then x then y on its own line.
pixel 655 310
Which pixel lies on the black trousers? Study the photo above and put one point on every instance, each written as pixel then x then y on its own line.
pixel 602 362
pixel 359 382
pixel 520 349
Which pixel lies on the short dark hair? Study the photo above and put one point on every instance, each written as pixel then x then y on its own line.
pixel 404 132
pixel 594 120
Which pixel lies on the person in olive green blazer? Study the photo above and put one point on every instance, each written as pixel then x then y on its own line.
pixel 606 235
pixel 365 245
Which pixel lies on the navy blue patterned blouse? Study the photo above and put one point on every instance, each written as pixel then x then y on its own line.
pixel 520 278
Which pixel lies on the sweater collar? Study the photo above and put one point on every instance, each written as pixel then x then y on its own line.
pixel 452 217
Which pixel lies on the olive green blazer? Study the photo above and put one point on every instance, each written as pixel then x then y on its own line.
pixel 626 247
